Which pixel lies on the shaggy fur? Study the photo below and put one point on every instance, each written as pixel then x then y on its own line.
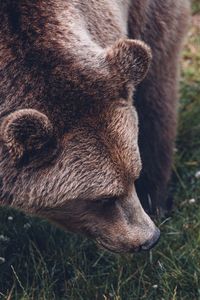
pixel 69 129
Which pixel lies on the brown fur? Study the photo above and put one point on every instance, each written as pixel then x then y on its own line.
pixel 69 131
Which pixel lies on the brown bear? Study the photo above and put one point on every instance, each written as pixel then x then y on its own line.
pixel 69 148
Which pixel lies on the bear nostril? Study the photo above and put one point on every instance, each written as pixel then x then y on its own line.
pixel 152 242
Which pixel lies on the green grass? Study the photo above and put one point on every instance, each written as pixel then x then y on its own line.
pixel 38 261
pixel 196 6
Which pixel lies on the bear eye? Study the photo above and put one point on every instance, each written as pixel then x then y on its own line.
pixel 110 201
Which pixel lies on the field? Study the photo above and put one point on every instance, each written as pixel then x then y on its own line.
pixel 40 262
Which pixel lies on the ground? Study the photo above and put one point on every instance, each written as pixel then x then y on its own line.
pixel 40 262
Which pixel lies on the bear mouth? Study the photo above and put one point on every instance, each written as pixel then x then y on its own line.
pixel 113 249
pixel 109 248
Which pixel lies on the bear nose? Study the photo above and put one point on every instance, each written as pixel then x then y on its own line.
pixel 151 242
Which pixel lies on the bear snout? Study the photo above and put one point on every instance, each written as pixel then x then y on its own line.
pixel 149 244
pixel 152 242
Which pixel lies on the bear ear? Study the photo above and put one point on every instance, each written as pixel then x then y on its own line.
pixel 26 131
pixel 130 59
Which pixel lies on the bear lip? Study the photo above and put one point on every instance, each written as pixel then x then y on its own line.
pixel 106 247
pixel 109 248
